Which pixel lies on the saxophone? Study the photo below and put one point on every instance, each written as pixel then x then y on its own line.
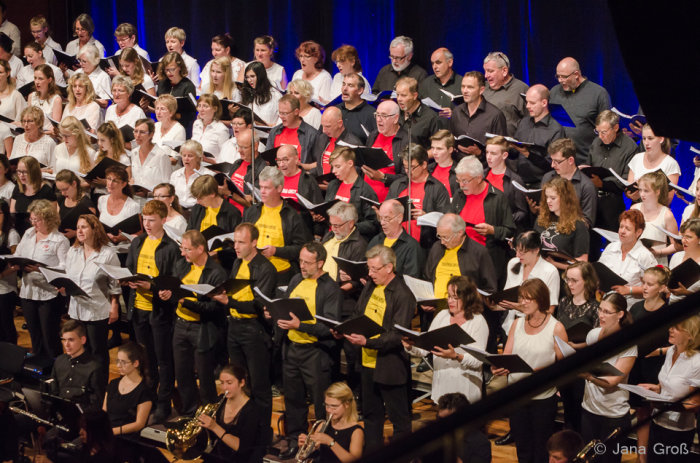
pixel 309 446
pixel 185 438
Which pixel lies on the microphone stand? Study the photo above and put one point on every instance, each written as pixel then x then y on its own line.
pixel 252 143
pixel 409 122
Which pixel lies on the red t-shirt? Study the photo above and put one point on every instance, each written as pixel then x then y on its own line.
pixel 291 186
pixel 417 196
pixel 326 156
pixel 473 212
pixel 238 179
pixel 495 179
pixel 442 174
pixel 343 193
pixel 384 143
pixel 289 137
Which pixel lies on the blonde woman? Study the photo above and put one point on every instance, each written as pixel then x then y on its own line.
pixel 168 131
pixel 303 90
pixel 208 129
pixel 220 81
pixel 75 153
pixel 33 142
pixel 81 101
pixel 182 179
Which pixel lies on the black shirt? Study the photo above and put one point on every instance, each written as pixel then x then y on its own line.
pixel 486 118
pixel 22 202
pixel 121 408
pixel 181 89
pixel 422 124
pixel 541 133
pixel 431 87
pixel 77 379
pixel 387 77
pixel 247 426
pixel 574 244
pixel 357 118
pixel 615 155
pixel 342 437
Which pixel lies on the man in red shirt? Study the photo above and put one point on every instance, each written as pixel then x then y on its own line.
pixel 334 130
pixel 294 131
pixel 442 150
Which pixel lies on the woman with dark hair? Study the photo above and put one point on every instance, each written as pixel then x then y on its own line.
pixel 9 239
pixel 110 144
pixel 34 55
pixel 83 27
pixel 454 369
pixel 238 424
pixel 628 257
pixel 655 157
pixel 312 57
pixel 46 96
pixel 221 46
pixel 129 398
pixel 532 338
pixel 172 79
pixel 264 49
pixel 258 91
pixel 561 222
pixel 150 165
pixel 7 186
pixel 605 406
pixel 347 61
pixel 29 188
pixel 72 196
pixel 117 205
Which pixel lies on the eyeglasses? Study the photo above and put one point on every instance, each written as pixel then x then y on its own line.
pixel 563 77
pixel 121 363
pixel 524 300
pixel 386 218
pixel 444 238
pixel 558 161
pixel 466 181
pixel 307 262
pixel 605 312
pixel 602 132
pixel 36 219
pixel 571 281
pixel 22 172
pixel 338 225
pixel 333 406
pixel 397 58
pixel 27 121
pixel 161 196
pixel 281 160
pixel 383 116
pixel 284 113
pixel 375 269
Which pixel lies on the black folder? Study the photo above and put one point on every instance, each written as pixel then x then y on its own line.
pixel 607 277
pixel 360 325
pixel 374 158
pixel 451 334
pixel 99 171
pixel 130 225
pixel 687 273
pixel 127 132
pixel 329 177
pixel 230 286
pixel 269 156
pixel 225 168
pixel 605 369
pixel 466 141
pixel 22 261
pixel 356 270
pixel 279 309
pixel 578 331
pixel 62 57
pixel 600 172
pixel 70 286
pixel 510 295
pixel 212 231
pixel 511 362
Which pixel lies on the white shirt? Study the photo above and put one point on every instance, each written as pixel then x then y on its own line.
pixel 313 118
pixel 175 134
pixel 668 166
pixel 6 191
pixel 140 51
pixel 611 403
pixel 676 260
pixel 154 170
pixel 91 112
pixel 132 115
pixel 537 350
pixel 632 268
pixel 129 208
pixel 51 251
pixel 12 31
pixel 269 112
pixel 192 68
pixel 321 84
pixel 26 75
pixel 64 160
pixel 15 65
pixel 687 212
pixel 101 83
pixel 451 375
pixel 543 270
pixel 337 85
pixel 73 47
pixel 276 74
pixel 177 223
pixel 49 46
pixel 46 106
pixel 8 283
pixel 5 133
pixel 12 105
pixel 212 137
pixel 673 379
pixel 237 66
pixel 654 233
pixel 182 186
pixel 42 150
pixel 95 282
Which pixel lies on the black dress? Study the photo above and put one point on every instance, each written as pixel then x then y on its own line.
pixel 249 427
pixel 121 408
pixel 82 207
pixel 22 202
pixel 646 370
pixel 342 437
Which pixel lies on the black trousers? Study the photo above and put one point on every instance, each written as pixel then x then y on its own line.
pixel 249 346
pixel 599 427
pixel 531 425
pixel 43 322
pixel 306 368
pixel 97 333
pixel 157 337
pixel 571 397
pixel 188 360
pixel 378 399
pixel 666 445
pixel 8 332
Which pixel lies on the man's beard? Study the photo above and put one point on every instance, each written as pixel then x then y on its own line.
pixel 400 67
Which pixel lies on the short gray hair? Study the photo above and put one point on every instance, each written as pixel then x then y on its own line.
pixel 271 174
pixel 386 254
pixel 90 53
pixel 455 222
pixel 193 146
pixel 470 165
pixel 407 43
pixel 124 82
pixel 344 211
pixel 447 54
pixel 499 57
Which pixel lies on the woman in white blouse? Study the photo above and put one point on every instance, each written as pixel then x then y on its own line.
pixel 33 53
pixel 264 50
pixel 117 205
pixel 83 27
pixel 628 257
pixel 690 233
pixel 33 142
pixel 454 369
pixel 40 303
pixel 182 179
pixel 654 158
pixel 311 56
pixel 75 153
pixel 258 91
pixel 303 91
pixel 130 66
pixel 168 133
pixel 6 185
pixel 11 101
pixel 123 111
pixel 89 59
pixel 221 46
pixel 46 96
pixel 101 306
pixel 81 101
pixel 175 221
pixel 149 164
pixel 208 129
pixel 679 378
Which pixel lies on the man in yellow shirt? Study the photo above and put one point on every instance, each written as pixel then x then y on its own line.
pixel 385 370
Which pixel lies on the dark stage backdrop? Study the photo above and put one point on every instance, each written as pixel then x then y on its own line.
pixel 534 34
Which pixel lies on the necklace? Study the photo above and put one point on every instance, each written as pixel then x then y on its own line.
pixel 541 323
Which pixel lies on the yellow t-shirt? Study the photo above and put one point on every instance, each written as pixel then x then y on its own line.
pixel 446 269
pixel 389 242
pixel 245 294
pixel 332 246
pixel 192 278
pixel 307 291
pixel 270 226
pixel 146 265
pixel 209 218
pixel 376 306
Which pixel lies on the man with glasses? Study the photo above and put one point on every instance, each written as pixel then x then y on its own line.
pixel 358 115
pixel 296 181
pixel 400 55
pixel 391 138
pixel 563 154
pixel 416 118
pixel 504 90
pixel 294 131
pixel 385 371
pixel 476 116
pixel 583 100
pixel 406 249
pixel 153 253
pixel 307 363
pixel 242 170
pixel 539 128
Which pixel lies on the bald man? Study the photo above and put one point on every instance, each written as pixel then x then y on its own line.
pixel 583 100
pixel 540 128
pixel 334 130
pixel 392 139
pixel 242 171
pixel 503 90
pixel 444 78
